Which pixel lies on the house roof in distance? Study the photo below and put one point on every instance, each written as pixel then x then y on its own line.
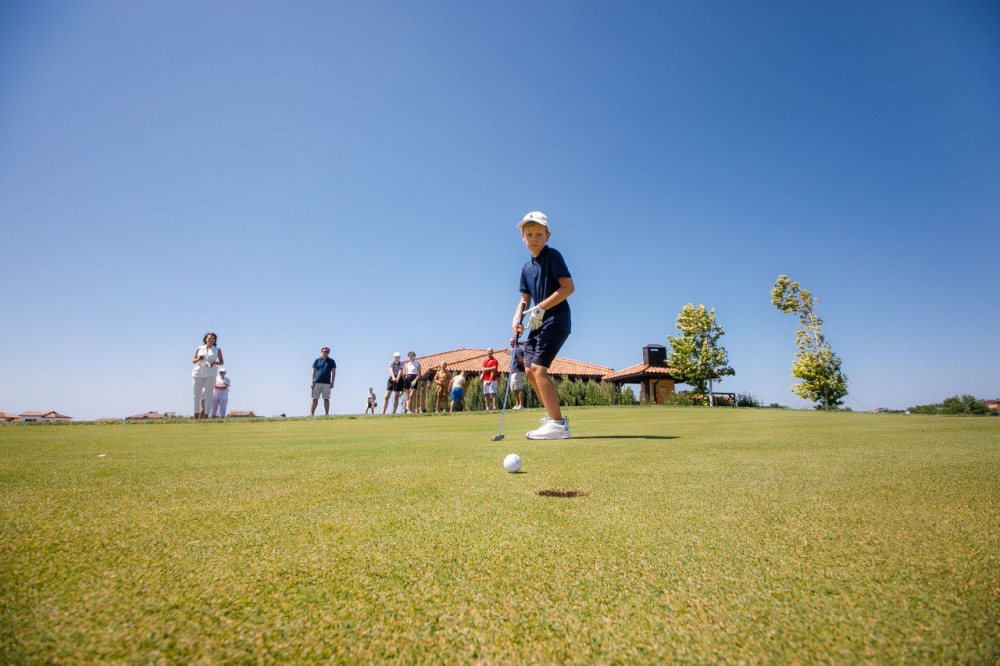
pixel 147 415
pixel 639 371
pixel 45 415
pixel 470 361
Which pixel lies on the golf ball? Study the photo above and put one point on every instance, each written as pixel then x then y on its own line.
pixel 512 463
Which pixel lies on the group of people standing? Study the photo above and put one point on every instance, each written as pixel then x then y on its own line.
pixel 210 386
pixel 449 388
pixel 401 386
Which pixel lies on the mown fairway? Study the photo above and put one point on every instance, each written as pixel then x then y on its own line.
pixel 707 535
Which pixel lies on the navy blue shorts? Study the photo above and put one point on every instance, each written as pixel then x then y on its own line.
pixel 543 345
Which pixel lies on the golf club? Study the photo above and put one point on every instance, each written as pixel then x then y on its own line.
pixel 497 437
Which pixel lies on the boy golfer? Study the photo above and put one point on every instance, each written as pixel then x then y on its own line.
pixel 546 282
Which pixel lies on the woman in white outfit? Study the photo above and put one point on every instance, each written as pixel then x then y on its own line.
pixel 207 359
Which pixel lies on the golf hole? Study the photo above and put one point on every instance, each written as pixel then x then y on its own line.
pixel 562 492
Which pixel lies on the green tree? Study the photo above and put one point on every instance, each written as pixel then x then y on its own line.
pixel 696 357
pixel 627 397
pixel 957 404
pixel 964 404
pixel 815 363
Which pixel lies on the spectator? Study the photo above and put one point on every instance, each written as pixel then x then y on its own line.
pixel 322 378
pixel 442 383
pixel 207 359
pixel 372 403
pixel 457 392
pixel 413 372
pixel 395 384
pixel 517 373
pixel 220 398
pixel 490 366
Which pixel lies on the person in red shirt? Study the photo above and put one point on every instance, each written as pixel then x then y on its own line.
pixel 490 366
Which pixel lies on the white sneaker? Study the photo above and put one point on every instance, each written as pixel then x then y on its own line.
pixel 550 430
pixel 545 419
pixel 517 407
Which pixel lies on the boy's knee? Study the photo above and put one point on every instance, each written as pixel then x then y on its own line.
pixel 538 371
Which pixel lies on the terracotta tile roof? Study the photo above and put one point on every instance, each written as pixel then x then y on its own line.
pixel 470 361
pixel 147 415
pixel 244 413
pixel 4 416
pixel 639 371
pixel 48 415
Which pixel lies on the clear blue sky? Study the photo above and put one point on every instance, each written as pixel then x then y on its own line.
pixel 299 174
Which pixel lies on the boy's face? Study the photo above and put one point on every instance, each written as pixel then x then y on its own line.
pixel 535 236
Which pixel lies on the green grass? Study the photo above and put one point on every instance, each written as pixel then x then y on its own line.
pixel 708 535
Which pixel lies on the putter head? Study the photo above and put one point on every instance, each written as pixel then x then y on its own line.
pixel 496 438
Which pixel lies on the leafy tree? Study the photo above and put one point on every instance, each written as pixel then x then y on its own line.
pixel 815 363
pixel 956 404
pixel 964 404
pixel 696 357
pixel 626 397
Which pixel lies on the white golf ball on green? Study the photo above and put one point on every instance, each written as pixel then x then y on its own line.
pixel 512 463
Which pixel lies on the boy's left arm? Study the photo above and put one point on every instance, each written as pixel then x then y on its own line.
pixel 566 288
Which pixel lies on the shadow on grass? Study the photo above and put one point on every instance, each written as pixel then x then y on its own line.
pixel 626 437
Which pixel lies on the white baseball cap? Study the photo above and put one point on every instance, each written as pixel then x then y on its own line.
pixel 222 369
pixel 396 355
pixel 535 217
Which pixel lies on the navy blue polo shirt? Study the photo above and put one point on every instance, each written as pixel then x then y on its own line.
pixel 540 279
pixel 517 362
pixel 323 370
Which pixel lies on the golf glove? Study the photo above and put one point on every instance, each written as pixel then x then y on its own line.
pixel 535 314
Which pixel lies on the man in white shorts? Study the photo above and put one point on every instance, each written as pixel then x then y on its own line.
pixel 490 372
pixel 517 373
pixel 322 376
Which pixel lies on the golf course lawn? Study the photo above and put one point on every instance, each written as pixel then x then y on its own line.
pixel 720 535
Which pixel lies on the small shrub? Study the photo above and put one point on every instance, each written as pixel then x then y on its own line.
pixel 684 399
pixel 747 400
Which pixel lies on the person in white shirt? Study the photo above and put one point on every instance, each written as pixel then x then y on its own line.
pixel 207 359
pixel 457 392
pixel 220 399
pixel 413 372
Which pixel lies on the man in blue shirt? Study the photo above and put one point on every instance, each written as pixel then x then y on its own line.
pixel 517 372
pixel 322 377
